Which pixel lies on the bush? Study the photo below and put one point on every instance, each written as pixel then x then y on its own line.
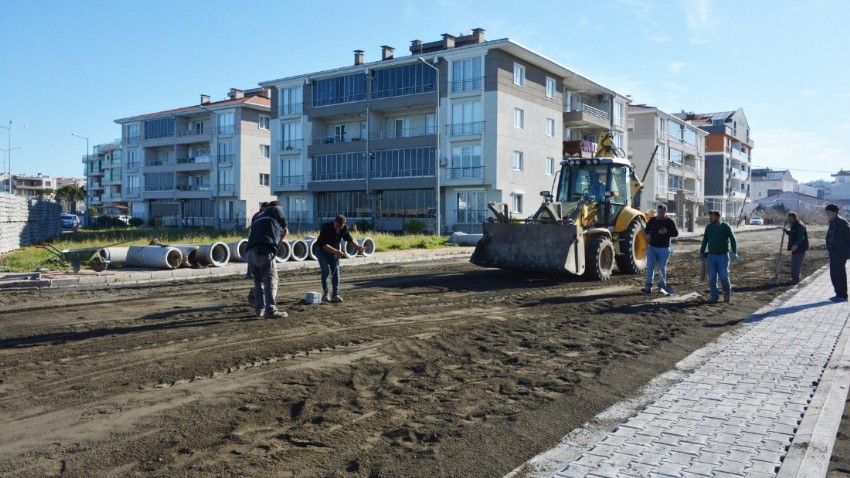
pixel 108 222
pixel 414 227
pixel 136 221
pixel 363 226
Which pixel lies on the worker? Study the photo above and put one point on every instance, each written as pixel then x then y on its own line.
pixel 596 188
pixel 718 241
pixel 659 230
pixel 263 207
pixel 838 246
pixel 327 253
pixel 798 244
pixel 267 232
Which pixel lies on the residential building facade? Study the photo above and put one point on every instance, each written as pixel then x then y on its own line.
pixel 452 126
pixel 103 169
pixel 32 187
pixel 766 182
pixel 840 190
pixel 205 165
pixel 728 159
pixel 669 157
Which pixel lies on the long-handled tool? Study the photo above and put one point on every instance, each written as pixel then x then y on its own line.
pixel 775 279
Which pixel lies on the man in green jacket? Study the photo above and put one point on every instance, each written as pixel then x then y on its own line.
pixel 798 244
pixel 718 241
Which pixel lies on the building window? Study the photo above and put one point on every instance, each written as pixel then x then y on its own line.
pixel 466 74
pixel 516 203
pixel 401 127
pixel 263 122
pixel 466 162
pixel 519 118
pixel 265 151
pixel 466 118
pixel 619 113
pixel 264 179
pixel 402 163
pixel 550 88
pixel 518 160
pixel 403 80
pixel 159 128
pixel 471 207
pixel 225 123
pixel 519 74
pixel 342 89
pixel 290 134
pixel 550 127
pixel 340 166
pixel 291 101
pixel 550 166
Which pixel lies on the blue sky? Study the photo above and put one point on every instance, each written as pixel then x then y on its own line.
pixel 76 66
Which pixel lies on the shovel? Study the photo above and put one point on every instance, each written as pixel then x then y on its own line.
pixel 775 279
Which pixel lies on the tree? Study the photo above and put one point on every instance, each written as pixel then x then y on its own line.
pixel 70 194
pixel 45 193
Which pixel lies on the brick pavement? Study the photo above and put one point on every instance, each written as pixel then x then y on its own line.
pixel 736 412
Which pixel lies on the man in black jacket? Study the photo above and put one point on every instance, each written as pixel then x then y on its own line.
pixel 798 244
pixel 267 232
pixel 838 245
pixel 659 230
pixel 328 254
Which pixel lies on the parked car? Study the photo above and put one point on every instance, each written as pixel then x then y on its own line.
pixel 70 221
pixel 757 221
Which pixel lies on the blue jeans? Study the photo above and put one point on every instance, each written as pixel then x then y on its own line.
pixel 329 264
pixel 264 271
pixel 657 257
pixel 718 265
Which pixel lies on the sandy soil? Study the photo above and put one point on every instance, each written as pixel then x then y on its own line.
pixel 427 369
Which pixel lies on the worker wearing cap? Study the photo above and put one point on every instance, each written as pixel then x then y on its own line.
pixel 838 245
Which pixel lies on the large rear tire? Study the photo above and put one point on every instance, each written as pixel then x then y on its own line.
pixel 632 257
pixel 599 263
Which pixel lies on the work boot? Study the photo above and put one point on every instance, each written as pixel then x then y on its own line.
pixel 647 289
pixel 336 299
pixel 713 300
pixel 278 314
pixel 326 297
pixel 838 298
pixel 792 282
pixel 259 312
pixel 726 298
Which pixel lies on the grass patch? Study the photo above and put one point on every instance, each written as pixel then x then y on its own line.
pixel 31 258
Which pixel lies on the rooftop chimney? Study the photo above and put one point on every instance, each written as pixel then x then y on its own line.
pixel 358 57
pixel 387 52
pixel 205 99
pixel 416 46
pixel 478 35
pixel 236 94
pixel 448 41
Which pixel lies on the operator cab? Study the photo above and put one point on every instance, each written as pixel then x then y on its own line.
pixel 603 181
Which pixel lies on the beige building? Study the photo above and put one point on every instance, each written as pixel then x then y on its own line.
pixel 33 186
pixel 206 165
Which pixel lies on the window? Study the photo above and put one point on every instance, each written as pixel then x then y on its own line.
pixel 290 134
pixel 133 133
pixel 264 179
pixel 290 101
pixel 661 127
pixel 619 113
pixel 550 166
pixel 471 207
pixel 550 127
pixel 466 162
pixel 550 88
pixel 263 122
pixel 519 118
pixel 399 163
pixel 339 133
pixel 403 80
pixel 290 172
pixel 430 124
pixel 466 118
pixel 340 166
pixel 159 128
pixel 401 127
pixel 466 74
pixel 518 160
pixel 342 89
pixel 265 151
pixel 516 203
pixel 519 74
pixel 225 123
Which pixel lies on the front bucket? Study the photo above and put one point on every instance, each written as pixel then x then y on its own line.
pixel 531 247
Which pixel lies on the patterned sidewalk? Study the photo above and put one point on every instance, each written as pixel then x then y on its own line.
pixel 739 411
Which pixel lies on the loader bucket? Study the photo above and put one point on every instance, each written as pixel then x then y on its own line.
pixel 531 247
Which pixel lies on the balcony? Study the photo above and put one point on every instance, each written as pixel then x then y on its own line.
pixel 335 139
pixel 194 162
pixel 134 166
pixel 291 109
pixel 739 155
pixel 471 216
pixel 471 84
pixel 290 180
pixel 226 159
pixel 338 176
pixel 290 145
pixel 192 187
pixel 464 175
pixel 226 189
pixel 402 173
pixel 585 116
pixel 157 162
pixel 465 129
pixel 183 133
pixel 133 140
pixel 404 133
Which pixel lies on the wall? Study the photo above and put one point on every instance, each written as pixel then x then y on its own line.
pixel 26 222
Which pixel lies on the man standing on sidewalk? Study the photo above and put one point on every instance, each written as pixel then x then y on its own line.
pixel 327 253
pixel 838 245
pixel 717 240
pixel 798 244
pixel 266 234
pixel 659 230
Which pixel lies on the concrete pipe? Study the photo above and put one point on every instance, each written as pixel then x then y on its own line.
pixel 347 250
pixel 160 257
pixel 237 250
pixel 368 245
pixel 216 254
pixel 463 239
pixel 284 252
pixel 311 248
pixel 300 250
pixel 190 255
pixel 113 254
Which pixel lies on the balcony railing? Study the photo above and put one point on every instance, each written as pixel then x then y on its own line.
pixel 194 159
pixel 409 90
pixel 226 129
pixel 191 132
pixel 226 188
pixel 226 158
pixel 157 162
pixel 471 216
pixel 291 109
pixel 131 191
pixel 403 173
pixel 461 129
pixel 291 145
pixel 133 140
pixel 405 133
pixel 290 180
pixel 468 172
pixel 588 110
pixel 133 166
pixel 470 84
pixel 192 187
pixel 334 139
pixel 338 176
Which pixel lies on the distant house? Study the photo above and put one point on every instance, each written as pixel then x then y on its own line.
pixel 790 200
pixel 766 182
pixel 840 190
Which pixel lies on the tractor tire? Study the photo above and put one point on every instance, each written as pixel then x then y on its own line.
pixel 632 257
pixel 599 263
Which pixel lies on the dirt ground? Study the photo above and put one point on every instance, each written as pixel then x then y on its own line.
pixel 427 369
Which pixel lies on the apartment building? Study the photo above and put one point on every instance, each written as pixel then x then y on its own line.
pixel 766 182
pixel 205 165
pixel 103 170
pixel 33 186
pixel 728 159
pixel 675 176
pixel 431 136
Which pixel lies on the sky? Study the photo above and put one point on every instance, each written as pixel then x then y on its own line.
pixel 77 66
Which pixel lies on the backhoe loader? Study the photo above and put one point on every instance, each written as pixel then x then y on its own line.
pixel 584 229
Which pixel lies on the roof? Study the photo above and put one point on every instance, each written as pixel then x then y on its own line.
pixel 259 101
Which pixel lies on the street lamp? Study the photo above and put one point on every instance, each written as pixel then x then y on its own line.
pixel 10 174
pixel 9 150
pixel 437 230
pixel 88 175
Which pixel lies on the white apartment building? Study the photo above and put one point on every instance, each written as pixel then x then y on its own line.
pixel 103 170
pixel 436 134
pixel 766 182
pixel 206 165
pixel 676 174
